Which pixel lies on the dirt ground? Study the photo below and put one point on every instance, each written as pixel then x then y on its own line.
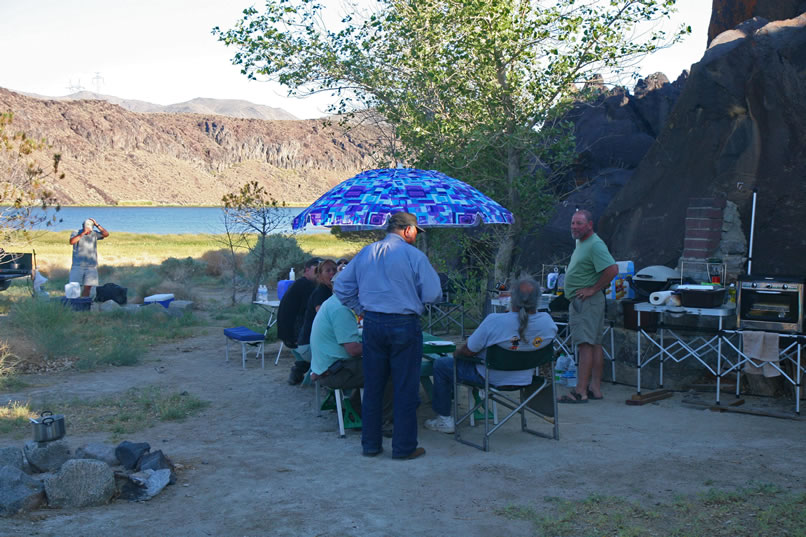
pixel 260 461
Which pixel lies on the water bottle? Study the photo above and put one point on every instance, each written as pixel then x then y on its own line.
pixel 560 368
pixel 291 274
pixel 571 375
pixel 263 294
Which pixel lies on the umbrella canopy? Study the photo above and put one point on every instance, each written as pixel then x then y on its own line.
pixel 366 201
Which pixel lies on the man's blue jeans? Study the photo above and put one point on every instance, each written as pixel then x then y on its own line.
pixel 443 382
pixel 393 345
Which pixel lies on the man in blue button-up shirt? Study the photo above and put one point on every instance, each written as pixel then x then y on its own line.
pixel 390 281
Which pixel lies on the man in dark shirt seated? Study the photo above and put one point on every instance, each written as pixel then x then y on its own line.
pixel 291 315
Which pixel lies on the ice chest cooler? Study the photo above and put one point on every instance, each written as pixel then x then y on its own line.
pixel 163 299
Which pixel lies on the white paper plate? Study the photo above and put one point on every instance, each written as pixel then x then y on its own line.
pixel 439 343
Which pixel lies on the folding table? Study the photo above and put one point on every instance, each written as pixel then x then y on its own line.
pixel 271 306
pixel 669 344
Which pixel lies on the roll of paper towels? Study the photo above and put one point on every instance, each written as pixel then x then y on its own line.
pixel 659 298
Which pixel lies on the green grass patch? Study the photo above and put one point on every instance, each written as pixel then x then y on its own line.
pixel 121 249
pixel 14 418
pixel 19 289
pixel 758 509
pixel 11 383
pixel 129 412
pixel 95 338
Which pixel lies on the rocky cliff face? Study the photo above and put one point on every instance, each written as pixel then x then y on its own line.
pixel 111 155
pixel 727 14
pixel 739 124
pixel 613 134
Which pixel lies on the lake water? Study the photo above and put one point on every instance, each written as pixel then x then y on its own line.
pixel 157 220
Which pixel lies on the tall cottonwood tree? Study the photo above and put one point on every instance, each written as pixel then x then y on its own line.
pixel 473 88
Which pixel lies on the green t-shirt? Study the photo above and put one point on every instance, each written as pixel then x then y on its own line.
pixel 334 325
pixel 589 259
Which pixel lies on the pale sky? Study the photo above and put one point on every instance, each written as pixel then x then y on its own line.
pixel 162 51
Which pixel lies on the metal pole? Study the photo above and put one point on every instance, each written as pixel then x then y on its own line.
pixel 752 230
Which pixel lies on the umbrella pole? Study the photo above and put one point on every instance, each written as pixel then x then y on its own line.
pixel 752 231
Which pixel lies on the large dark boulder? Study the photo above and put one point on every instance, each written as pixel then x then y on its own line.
pixel 613 133
pixel 727 14
pixel 739 124
pixel 616 129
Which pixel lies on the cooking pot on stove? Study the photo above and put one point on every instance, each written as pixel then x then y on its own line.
pixel 48 426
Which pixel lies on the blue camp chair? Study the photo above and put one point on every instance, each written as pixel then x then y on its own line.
pixel 245 336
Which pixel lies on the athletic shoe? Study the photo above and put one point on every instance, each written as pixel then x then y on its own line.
pixel 441 424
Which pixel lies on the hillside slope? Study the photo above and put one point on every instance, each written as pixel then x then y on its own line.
pixel 111 155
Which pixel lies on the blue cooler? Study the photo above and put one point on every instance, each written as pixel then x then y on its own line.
pixel 282 287
pixel 163 299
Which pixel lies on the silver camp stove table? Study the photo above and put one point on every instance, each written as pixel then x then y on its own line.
pixel 669 344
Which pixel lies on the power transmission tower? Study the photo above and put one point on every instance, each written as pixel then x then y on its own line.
pixel 97 81
pixel 74 88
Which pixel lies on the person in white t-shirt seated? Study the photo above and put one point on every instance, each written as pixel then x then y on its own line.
pixel 521 329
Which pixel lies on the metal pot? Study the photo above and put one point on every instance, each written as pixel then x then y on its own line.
pixel 48 427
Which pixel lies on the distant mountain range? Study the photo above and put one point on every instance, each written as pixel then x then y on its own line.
pixel 199 105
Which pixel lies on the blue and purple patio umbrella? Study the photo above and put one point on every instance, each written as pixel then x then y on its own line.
pixel 366 201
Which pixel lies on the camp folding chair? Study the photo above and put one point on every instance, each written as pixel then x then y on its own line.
pixel 245 336
pixel 538 398
pixel 447 311
pixel 338 400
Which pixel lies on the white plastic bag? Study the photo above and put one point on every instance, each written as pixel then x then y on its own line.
pixel 39 281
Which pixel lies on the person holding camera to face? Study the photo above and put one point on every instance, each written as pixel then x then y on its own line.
pixel 84 269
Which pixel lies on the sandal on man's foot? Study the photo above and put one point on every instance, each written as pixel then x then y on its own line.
pixel 591 396
pixel 574 398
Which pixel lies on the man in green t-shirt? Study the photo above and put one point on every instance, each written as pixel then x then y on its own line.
pixel 589 272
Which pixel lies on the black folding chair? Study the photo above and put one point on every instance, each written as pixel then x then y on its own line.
pixel 448 312
pixel 538 398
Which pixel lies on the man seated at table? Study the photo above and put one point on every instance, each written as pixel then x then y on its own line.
pixel 291 315
pixel 336 352
pixel 522 328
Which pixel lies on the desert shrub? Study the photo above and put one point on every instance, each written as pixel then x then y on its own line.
pixel 117 338
pixel 117 352
pixel 281 253
pixel 181 270
pixel 142 283
pixel 219 262
pixel 8 364
pixel 180 290
pixel 53 329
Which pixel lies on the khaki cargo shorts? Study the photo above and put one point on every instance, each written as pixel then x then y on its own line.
pixel 84 275
pixel 586 319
